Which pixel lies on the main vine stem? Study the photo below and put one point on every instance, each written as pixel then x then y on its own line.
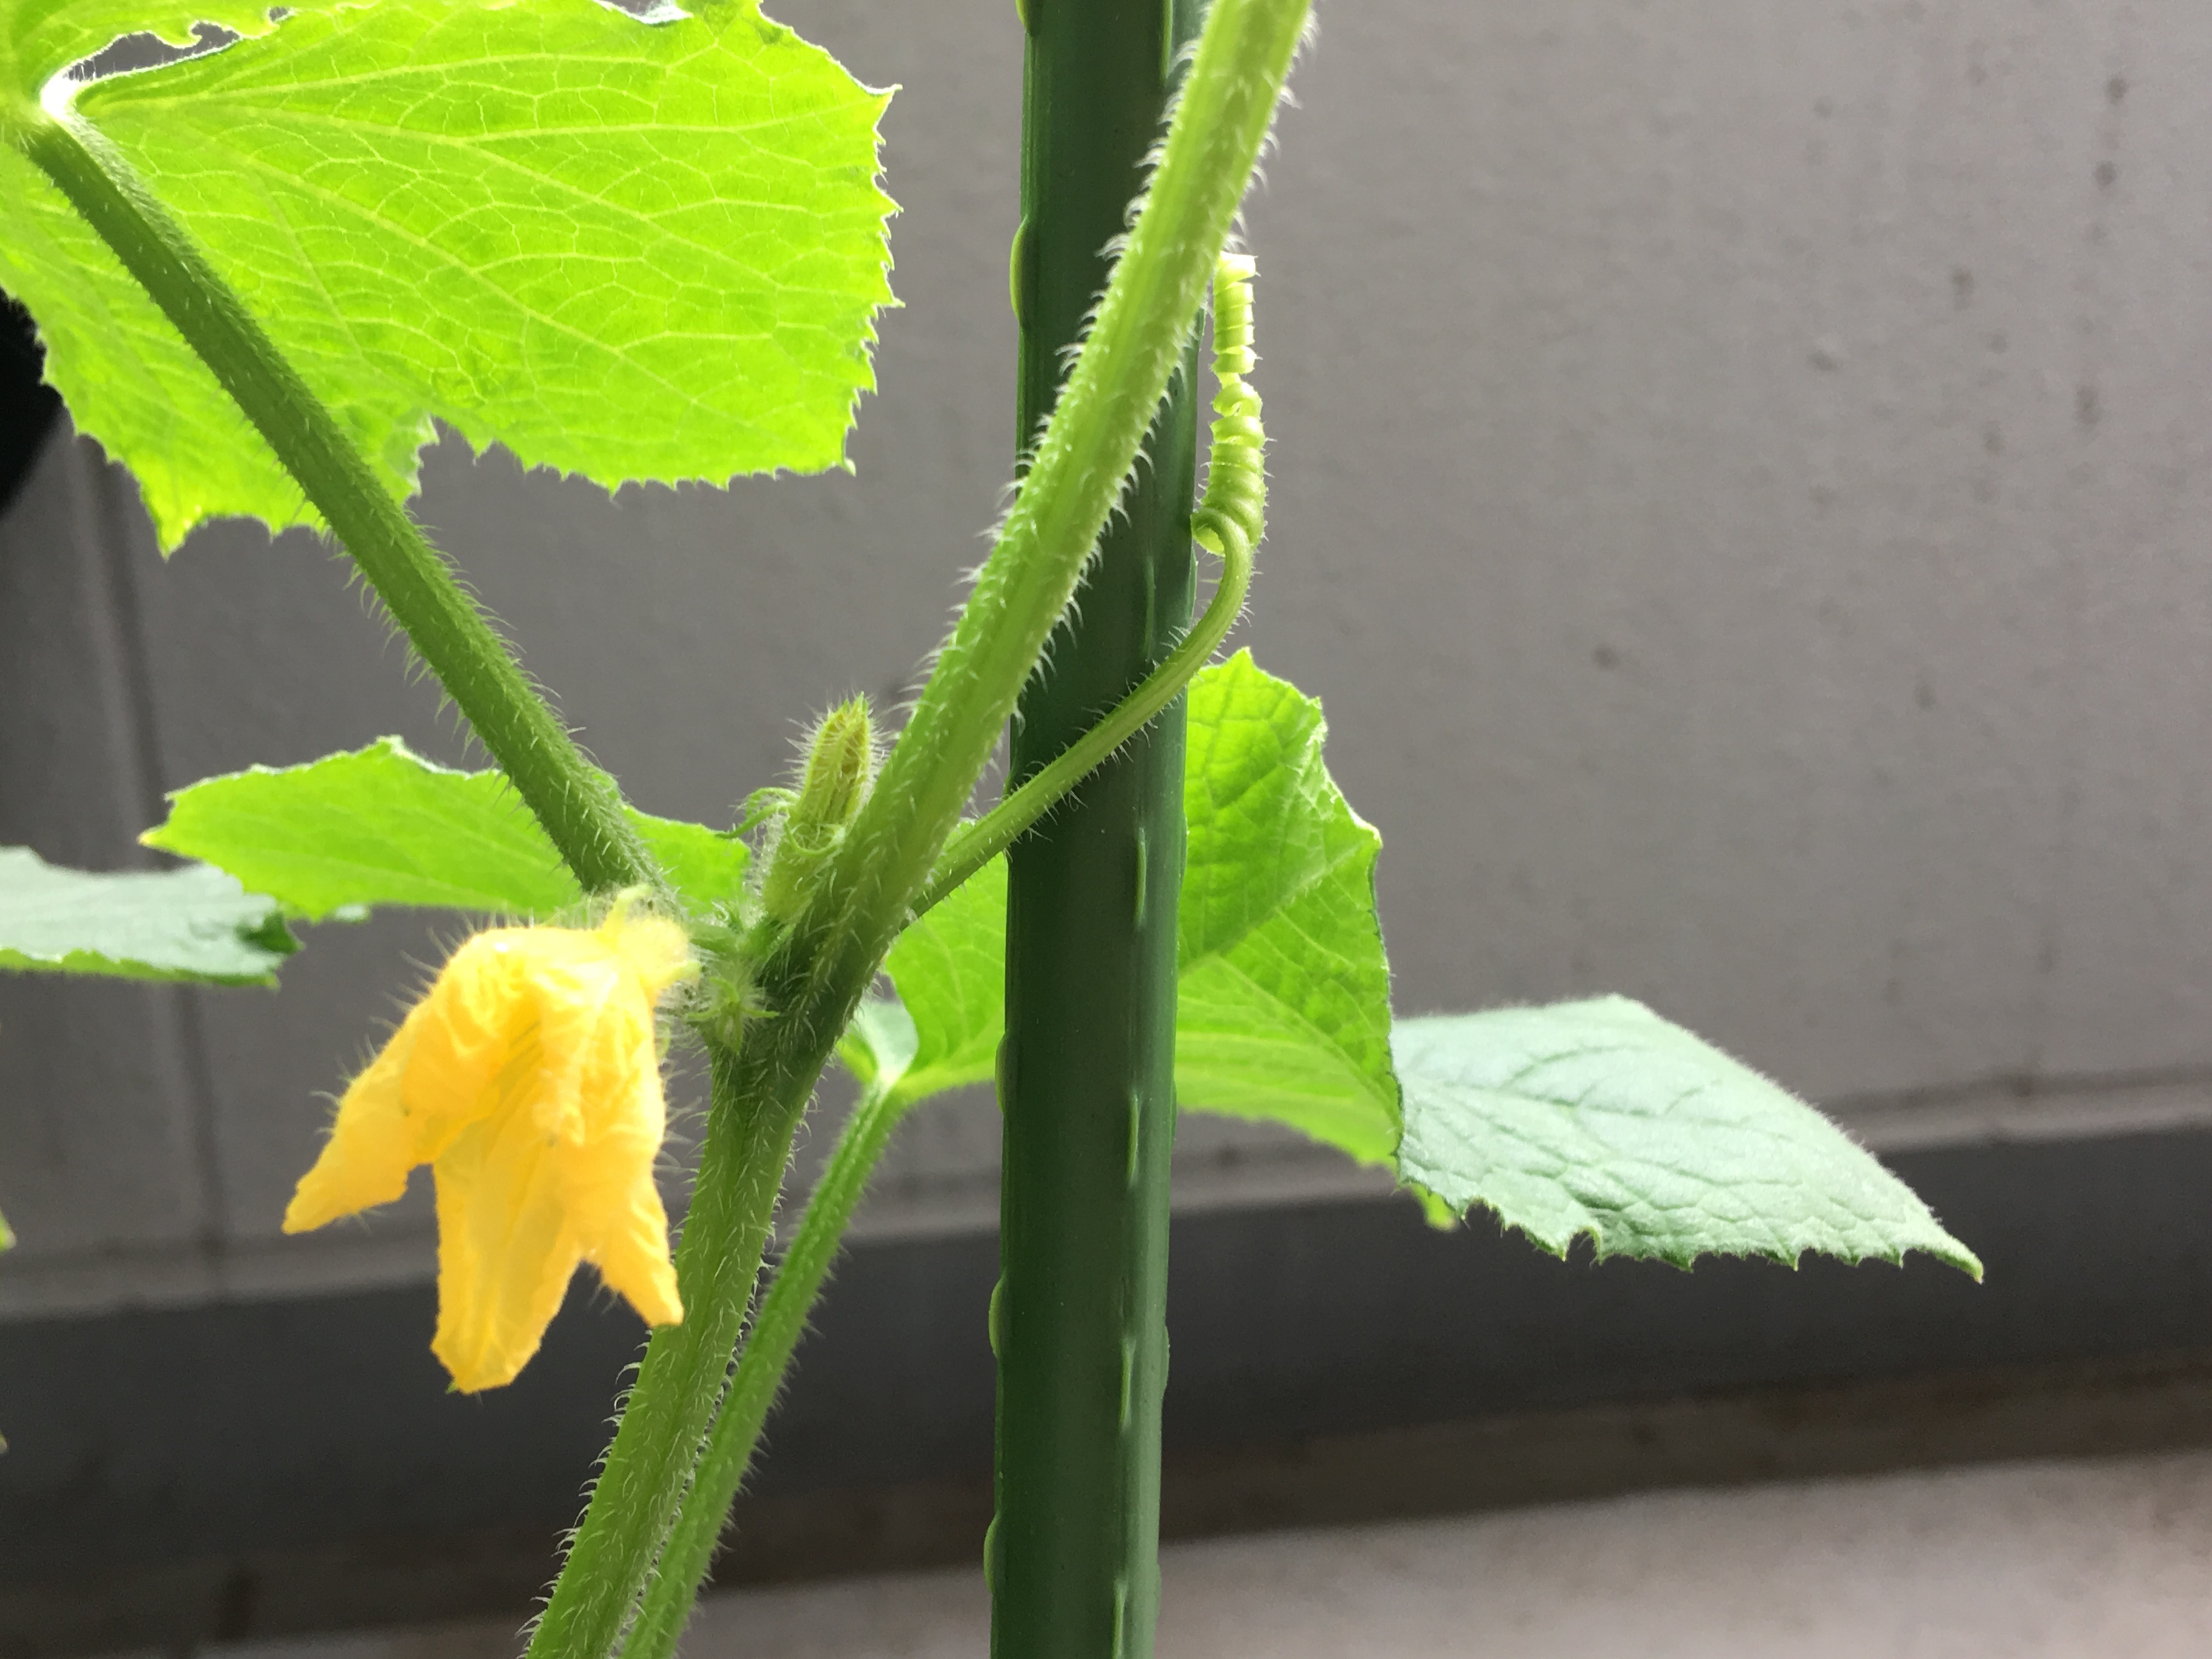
pixel 1086 1077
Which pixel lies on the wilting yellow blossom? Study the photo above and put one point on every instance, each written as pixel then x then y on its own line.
pixel 528 1077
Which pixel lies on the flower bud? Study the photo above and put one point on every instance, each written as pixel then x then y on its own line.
pixel 840 765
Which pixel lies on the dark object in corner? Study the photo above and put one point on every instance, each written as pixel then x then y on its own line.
pixel 27 405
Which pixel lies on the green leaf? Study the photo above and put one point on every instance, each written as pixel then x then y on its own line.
pixel 631 250
pixel 706 868
pixel 879 1044
pixel 1284 1009
pixel 950 971
pixel 189 924
pixel 1599 1119
pixel 383 826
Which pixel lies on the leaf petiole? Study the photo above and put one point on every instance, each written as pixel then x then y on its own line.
pixel 579 804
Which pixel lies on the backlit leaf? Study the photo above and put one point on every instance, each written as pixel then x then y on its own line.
pixel 383 826
pixel 1282 1011
pixel 629 249
pixel 950 971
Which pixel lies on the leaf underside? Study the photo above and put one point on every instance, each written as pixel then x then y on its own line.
pixel 1601 1120
pixel 383 826
pixel 191 924
pixel 631 251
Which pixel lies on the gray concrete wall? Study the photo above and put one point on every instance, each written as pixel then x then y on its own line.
pixel 1740 483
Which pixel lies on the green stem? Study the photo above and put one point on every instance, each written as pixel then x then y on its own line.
pixel 853 915
pixel 1230 521
pixel 836 944
pixel 758 1096
pixel 577 803
pixel 975 845
pixel 775 1335
pixel 1076 474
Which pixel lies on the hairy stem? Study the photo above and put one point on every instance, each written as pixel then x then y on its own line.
pixel 975 845
pixel 1230 522
pixel 577 803
pixel 775 1335
pixel 1079 469
pixel 758 1097
pixel 836 944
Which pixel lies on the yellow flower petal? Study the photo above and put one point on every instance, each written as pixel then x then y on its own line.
pixel 505 1250
pixel 529 1076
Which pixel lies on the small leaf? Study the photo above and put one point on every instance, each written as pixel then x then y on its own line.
pixel 1599 1119
pixel 950 971
pixel 189 924
pixel 878 1046
pixel 383 826
pixel 628 248
pixel 1284 1007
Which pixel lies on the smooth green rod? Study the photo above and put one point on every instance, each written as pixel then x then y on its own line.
pixel 1086 1071
pixel 578 804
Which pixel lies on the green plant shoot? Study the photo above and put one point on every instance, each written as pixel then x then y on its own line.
pixel 263 272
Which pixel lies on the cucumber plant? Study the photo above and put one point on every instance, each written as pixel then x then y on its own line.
pixel 651 244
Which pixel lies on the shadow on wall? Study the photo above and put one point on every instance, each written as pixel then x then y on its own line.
pixel 27 406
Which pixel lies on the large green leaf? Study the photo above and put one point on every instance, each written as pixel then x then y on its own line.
pixel 39 39
pixel 194 923
pixel 631 250
pixel 383 826
pixel 1284 1008
pixel 1599 1119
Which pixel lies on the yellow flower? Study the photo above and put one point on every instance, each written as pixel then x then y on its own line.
pixel 529 1078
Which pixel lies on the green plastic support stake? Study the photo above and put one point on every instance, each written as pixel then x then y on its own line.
pixel 1087 1076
